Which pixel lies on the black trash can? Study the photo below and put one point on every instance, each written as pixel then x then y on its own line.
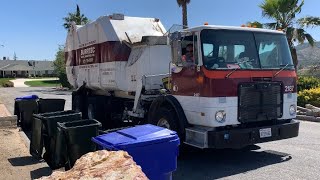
pixel 36 140
pixel 24 109
pixel 78 136
pixel 51 105
pixel 45 133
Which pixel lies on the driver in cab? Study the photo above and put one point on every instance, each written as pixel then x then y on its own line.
pixel 188 58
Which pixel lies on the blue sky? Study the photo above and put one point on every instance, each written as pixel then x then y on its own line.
pixel 33 29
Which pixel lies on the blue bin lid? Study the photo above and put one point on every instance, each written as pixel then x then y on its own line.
pixel 27 97
pixel 134 137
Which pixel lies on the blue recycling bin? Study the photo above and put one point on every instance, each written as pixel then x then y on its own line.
pixel 29 97
pixel 154 148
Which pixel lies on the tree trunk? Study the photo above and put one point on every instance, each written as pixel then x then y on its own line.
pixel 184 16
pixel 294 57
pixel 293 53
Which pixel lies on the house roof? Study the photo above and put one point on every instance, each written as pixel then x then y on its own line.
pixel 16 67
pixel 24 65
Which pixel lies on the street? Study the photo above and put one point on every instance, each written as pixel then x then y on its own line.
pixel 7 95
pixel 297 158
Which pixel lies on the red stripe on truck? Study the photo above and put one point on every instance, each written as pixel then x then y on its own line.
pixel 98 53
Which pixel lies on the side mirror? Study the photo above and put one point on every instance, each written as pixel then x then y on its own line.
pixel 176 52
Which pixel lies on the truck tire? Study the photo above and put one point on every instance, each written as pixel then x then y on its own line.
pixel 91 111
pixel 166 118
pixel 79 104
pixel 95 107
pixel 99 108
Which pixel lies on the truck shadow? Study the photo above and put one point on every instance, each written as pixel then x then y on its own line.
pixel 214 164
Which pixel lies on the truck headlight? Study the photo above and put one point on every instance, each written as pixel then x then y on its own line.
pixel 220 116
pixel 292 110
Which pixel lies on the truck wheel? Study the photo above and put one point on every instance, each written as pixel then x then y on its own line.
pixel 166 118
pixel 91 111
pixel 77 104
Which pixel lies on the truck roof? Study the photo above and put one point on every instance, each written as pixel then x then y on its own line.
pixel 218 27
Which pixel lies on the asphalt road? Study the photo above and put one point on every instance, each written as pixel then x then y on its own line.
pixel 7 95
pixel 297 158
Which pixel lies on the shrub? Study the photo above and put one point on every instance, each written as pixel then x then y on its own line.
pixel 8 84
pixel 5 82
pixel 307 82
pixel 309 96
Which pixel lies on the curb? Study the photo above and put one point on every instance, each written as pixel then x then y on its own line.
pixel 24 138
pixel 308 118
pixel 8 122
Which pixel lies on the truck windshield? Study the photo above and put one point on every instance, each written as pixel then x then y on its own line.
pixel 229 49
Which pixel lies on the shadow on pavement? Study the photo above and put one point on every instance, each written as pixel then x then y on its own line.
pixel 214 164
pixel 23 161
pixel 38 173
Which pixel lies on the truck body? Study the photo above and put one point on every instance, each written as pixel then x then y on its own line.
pixel 238 89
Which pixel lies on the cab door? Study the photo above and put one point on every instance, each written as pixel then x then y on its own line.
pixel 185 81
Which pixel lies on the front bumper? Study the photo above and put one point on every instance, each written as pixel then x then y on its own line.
pixel 241 137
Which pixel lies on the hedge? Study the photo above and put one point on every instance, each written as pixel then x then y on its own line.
pixel 307 82
pixel 309 96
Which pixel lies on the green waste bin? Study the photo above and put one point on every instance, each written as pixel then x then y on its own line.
pixel 51 105
pixel 78 136
pixel 24 109
pixel 36 140
pixel 45 133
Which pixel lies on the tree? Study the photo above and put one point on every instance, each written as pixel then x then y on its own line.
pixel 284 12
pixel 183 4
pixel 255 24
pixel 60 67
pixel 76 17
pixel 15 56
pixel 59 63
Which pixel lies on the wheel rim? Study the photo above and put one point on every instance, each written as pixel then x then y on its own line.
pixel 163 123
pixel 90 111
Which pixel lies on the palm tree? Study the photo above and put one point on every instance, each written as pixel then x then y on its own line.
pixel 76 17
pixel 284 12
pixel 183 4
pixel 255 24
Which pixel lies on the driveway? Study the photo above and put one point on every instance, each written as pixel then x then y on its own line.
pixel 20 82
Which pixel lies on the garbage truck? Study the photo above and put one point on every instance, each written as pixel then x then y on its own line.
pixel 216 86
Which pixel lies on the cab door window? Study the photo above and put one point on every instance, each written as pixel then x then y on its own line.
pixel 189 50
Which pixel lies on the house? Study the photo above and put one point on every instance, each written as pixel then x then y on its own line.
pixel 24 68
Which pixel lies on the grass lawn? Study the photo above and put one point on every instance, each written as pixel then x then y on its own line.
pixel 4 81
pixel 43 83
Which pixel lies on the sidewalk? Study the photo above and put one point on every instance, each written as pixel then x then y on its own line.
pixel 15 160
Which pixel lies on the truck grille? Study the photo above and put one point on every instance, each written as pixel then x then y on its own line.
pixel 260 101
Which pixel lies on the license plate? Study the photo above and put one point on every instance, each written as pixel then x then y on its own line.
pixel 264 133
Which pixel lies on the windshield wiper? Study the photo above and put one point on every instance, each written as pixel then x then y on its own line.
pixel 284 67
pixel 235 69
